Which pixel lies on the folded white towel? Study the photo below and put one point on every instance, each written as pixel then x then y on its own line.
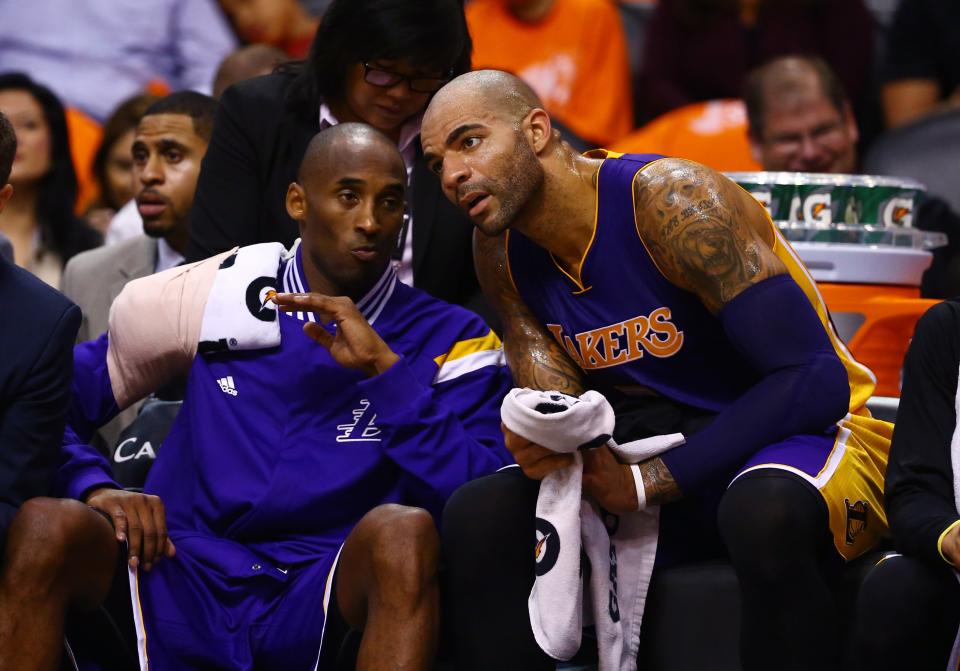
pixel 620 549
pixel 238 314
pixel 557 421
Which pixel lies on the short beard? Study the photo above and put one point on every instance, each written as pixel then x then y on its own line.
pixel 525 179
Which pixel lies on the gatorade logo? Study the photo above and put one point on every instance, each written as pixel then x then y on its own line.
pixel 897 212
pixel 816 209
pixel 547 550
pixel 258 303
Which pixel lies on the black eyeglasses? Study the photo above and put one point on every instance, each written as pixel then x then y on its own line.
pixel 386 79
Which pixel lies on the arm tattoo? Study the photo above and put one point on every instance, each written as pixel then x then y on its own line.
pixel 535 358
pixel 702 231
pixel 658 483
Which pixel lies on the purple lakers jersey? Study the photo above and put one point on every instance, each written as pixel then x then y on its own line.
pixel 626 325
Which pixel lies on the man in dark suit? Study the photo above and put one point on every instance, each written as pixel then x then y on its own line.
pixel 37 333
pixel 374 61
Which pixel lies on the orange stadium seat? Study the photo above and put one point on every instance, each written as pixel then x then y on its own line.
pixel 713 133
pixel 85 135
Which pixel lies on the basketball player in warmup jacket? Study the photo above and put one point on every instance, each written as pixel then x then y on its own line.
pixel 279 473
pixel 666 287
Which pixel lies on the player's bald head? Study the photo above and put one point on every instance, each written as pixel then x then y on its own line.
pixel 493 91
pixel 337 148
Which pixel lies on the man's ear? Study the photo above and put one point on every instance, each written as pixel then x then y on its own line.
pixel 5 194
pixel 296 202
pixel 539 128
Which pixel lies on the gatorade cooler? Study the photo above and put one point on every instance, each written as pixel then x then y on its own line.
pixel 855 234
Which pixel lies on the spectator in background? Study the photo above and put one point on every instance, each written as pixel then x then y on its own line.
pixel 244 63
pixel 97 53
pixel 39 219
pixel 112 165
pixel 36 335
pixel 702 49
pixel 921 69
pixel 284 24
pixel 375 61
pixel 800 120
pixel 571 52
pixel 247 62
pixel 168 147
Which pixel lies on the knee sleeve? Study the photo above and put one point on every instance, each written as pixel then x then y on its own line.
pixel 772 521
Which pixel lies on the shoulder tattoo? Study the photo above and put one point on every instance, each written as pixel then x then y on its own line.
pixel 701 232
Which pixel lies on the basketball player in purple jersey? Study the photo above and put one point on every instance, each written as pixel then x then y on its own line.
pixel 665 286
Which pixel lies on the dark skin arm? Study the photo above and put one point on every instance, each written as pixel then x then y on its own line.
pixel 706 235
pixel 536 360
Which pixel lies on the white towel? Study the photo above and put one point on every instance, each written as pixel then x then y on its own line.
pixel 620 549
pixel 238 314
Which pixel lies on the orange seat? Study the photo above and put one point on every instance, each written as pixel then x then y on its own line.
pixel 713 133
pixel 889 315
pixel 85 135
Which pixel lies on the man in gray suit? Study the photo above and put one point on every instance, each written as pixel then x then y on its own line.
pixel 170 143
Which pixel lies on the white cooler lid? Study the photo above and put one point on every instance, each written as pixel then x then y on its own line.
pixel 860 264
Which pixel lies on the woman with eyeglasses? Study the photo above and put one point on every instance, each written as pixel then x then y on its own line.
pixel 372 61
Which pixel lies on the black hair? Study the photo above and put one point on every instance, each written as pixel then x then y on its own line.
pixel 57 193
pixel 430 34
pixel 8 149
pixel 779 74
pixel 199 107
pixel 123 119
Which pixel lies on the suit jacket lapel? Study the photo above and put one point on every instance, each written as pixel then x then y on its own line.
pixel 140 263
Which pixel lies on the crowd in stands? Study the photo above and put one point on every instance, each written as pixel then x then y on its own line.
pixel 143 144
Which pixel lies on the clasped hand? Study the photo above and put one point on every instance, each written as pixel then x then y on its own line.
pixel 608 481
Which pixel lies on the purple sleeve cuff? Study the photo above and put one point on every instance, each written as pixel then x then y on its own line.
pixel 394 388
pixel 88 480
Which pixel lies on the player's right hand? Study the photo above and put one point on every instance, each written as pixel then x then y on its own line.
pixel 536 461
pixel 140 520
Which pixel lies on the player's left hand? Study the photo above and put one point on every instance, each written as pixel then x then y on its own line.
pixel 608 481
pixel 354 344
pixel 951 546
